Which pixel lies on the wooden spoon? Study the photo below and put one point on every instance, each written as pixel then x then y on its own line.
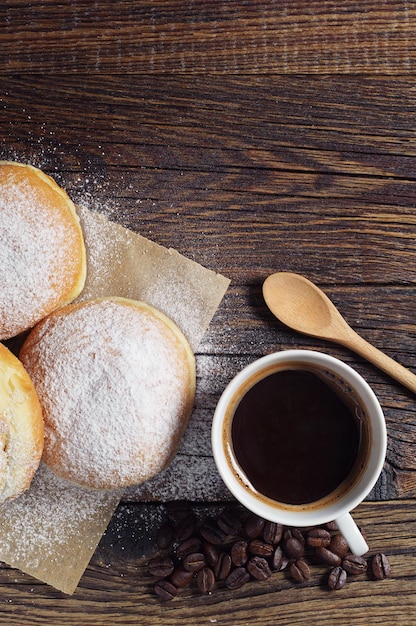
pixel 302 306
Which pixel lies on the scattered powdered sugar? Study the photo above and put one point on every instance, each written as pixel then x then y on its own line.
pixel 194 478
pixel 114 384
pixel 52 530
pixel 105 243
pixel 33 256
pixel 122 262
pixel 36 505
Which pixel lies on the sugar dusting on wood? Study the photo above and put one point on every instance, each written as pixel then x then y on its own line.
pixel 51 531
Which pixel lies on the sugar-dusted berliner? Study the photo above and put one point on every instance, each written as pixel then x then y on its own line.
pixel 116 381
pixel 21 427
pixel 42 252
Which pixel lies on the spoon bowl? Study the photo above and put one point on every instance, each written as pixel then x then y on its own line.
pixel 302 306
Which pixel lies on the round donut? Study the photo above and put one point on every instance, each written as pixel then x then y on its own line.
pixel 42 252
pixel 116 381
pixel 21 427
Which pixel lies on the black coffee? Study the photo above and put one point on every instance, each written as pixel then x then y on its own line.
pixel 294 438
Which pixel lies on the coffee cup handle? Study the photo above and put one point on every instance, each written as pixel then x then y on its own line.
pixel 349 529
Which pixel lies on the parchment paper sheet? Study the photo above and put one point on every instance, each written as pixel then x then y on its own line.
pixel 52 530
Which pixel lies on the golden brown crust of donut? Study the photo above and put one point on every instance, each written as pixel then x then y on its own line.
pixel 21 427
pixel 116 380
pixel 42 251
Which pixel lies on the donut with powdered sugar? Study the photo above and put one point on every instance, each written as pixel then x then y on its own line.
pixel 116 381
pixel 21 427
pixel 42 252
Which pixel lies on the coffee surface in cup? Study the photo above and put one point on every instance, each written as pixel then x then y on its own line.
pixel 294 437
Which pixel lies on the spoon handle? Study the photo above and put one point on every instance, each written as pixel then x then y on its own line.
pixel 356 343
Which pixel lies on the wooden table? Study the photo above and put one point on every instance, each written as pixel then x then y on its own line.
pixel 250 137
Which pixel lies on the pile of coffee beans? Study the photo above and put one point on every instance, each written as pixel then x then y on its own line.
pixel 231 549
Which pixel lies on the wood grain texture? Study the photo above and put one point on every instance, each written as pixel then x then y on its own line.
pixel 117 589
pixel 220 36
pixel 247 177
pixel 300 305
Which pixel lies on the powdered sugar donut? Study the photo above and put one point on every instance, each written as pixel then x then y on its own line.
pixel 116 381
pixel 21 427
pixel 42 253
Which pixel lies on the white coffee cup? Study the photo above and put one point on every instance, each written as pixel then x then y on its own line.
pixel 338 505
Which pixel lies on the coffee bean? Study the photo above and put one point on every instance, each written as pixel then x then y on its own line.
pixel 212 533
pixel 277 559
pixel 223 567
pixel 194 562
pixel 293 548
pixel 260 548
pixel 205 580
pixel 180 577
pixel 298 534
pixel 380 566
pixel 188 546
pixel 363 532
pixel 239 553
pixel 339 545
pixel 229 523
pixel 211 553
pixel 165 590
pixel 161 566
pixel 237 578
pixel 258 568
pixel 285 563
pixel 253 526
pixel 354 564
pixel 337 577
pixel 293 543
pixel 185 528
pixel 318 537
pixel 331 526
pixel 300 571
pixel 272 532
pixel 294 532
pixel 327 556
pixel 164 537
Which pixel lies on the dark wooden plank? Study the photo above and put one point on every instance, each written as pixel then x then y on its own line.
pixel 249 176
pixel 246 175
pixel 357 112
pixel 282 184
pixel 218 36
pixel 117 589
